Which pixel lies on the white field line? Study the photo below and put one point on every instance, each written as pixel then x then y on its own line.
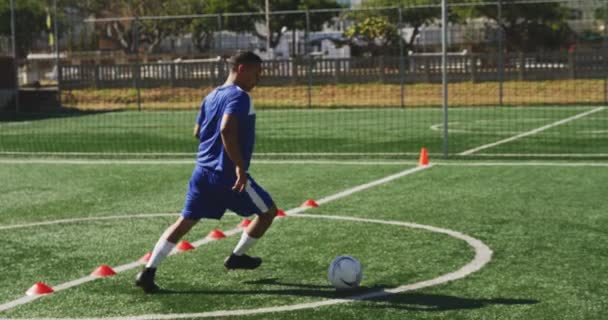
pixel 531 132
pixel 191 162
pixel 555 163
pixel 191 154
pixel 362 187
pixel 72 220
pixel 523 164
pixel 545 155
pixel 483 254
pixel 26 299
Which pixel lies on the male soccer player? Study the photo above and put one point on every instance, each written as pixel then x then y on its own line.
pixel 225 127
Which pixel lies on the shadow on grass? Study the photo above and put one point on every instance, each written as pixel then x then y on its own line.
pixel 404 301
pixel 59 113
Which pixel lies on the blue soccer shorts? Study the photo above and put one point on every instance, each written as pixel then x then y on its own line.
pixel 210 194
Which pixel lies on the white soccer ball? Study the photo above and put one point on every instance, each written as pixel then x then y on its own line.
pixel 345 272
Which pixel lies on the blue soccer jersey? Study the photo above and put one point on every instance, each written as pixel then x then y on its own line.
pixel 228 99
pixel 210 188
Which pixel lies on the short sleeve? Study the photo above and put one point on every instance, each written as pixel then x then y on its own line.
pixel 238 106
pixel 201 114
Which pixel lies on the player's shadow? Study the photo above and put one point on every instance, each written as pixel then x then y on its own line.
pixel 435 302
pixel 404 301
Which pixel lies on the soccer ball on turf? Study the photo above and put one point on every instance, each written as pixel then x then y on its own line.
pixel 345 272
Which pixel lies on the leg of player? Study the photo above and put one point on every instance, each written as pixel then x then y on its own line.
pixel 238 259
pixel 163 247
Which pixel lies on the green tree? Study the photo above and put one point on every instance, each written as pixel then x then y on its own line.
pixel 373 34
pixel 601 13
pixel 203 29
pixel 255 23
pixel 143 34
pixel 526 26
pixel 291 21
pixel 376 31
pixel 30 22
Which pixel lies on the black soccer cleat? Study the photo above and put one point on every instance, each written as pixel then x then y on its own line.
pixel 145 280
pixel 242 262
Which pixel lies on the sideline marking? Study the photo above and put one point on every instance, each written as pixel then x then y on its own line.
pixel 26 299
pixel 483 255
pixel 531 132
pixel 576 163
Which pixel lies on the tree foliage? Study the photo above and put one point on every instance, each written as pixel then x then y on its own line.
pixel 384 24
pixel 526 26
pixel 142 34
pixel 295 21
pixel 375 34
pixel 30 22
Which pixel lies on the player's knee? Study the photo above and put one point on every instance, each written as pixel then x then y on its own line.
pixel 271 213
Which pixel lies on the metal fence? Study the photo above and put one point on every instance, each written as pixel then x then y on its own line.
pixel 517 65
pixel 419 68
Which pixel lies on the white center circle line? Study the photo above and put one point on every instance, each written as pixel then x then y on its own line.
pixel 483 255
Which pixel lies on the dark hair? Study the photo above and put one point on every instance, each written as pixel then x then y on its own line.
pixel 244 57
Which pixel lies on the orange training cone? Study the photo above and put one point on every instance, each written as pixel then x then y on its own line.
pixel 39 288
pixel 309 203
pixel 281 213
pixel 184 246
pixel 245 223
pixel 146 257
pixel 424 157
pixel 103 271
pixel 216 234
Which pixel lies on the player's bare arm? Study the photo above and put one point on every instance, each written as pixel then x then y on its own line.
pixel 197 131
pixel 229 131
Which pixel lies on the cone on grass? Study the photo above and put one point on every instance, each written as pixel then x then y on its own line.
pixel 245 223
pixel 103 271
pixel 424 157
pixel 184 246
pixel 309 204
pixel 216 234
pixel 281 213
pixel 39 288
pixel 146 257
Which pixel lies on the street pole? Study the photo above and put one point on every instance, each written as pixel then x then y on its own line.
pixel 308 58
pixel 56 31
pixel 15 64
pixel 501 66
pixel 401 57
pixel 444 74
pixel 268 28
pixel 137 73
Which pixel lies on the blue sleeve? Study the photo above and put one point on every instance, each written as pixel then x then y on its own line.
pixel 238 106
pixel 201 114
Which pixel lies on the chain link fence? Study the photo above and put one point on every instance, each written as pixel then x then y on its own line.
pixel 363 80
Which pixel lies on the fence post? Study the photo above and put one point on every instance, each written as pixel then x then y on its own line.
pixel 605 54
pixel 295 62
pixel 381 68
pixel 337 71
pixel 427 67
pixel 501 58
pixel 444 73
pixel 401 58
pixel 219 30
pixel 172 74
pixel 137 71
pixel 97 79
pixel 308 58
pixel 15 59
pixel 571 64
pixel 522 66
pixel 473 61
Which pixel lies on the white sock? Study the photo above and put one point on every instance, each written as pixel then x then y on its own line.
pixel 244 244
pixel 160 252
